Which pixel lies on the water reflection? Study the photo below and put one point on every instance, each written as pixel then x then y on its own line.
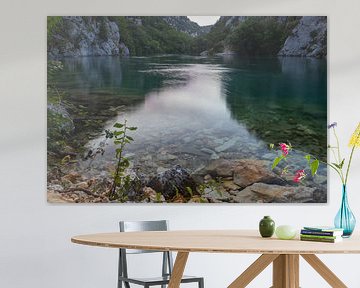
pixel 189 110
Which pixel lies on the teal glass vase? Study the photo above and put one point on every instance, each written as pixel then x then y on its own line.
pixel 345 219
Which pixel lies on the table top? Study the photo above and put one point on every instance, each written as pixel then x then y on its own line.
pixel 216 241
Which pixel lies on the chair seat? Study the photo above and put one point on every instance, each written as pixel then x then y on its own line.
pixel 157 280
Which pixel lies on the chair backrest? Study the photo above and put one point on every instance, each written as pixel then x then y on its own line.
pixel 134 226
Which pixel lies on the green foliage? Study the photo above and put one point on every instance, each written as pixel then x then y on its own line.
pixel 152 36
pixel 276 161
pixel 121 181
pixel 212 185
pixel 53 24
pixel 314 166
pixel 258 36
pixel 103 30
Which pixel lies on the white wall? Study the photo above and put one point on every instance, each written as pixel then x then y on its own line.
pixel 35 248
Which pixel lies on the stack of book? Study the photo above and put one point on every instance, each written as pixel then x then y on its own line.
pixel 321 234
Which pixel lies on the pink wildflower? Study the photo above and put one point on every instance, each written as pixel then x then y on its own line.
pixel 284 148
pixel 299 175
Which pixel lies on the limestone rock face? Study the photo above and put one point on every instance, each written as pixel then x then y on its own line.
pixel 309 38
pixel 86 36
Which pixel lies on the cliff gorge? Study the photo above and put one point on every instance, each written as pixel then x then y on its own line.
pixel 72 36
pixel 85 36
pixel 268 36
pixel 309 38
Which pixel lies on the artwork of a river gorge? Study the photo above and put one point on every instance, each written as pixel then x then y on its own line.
pixel 185 109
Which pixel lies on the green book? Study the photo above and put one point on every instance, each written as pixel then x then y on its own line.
pixel 325 240
pixel 324 228
pixel 319 236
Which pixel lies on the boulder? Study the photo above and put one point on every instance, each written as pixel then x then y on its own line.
pixel 247 172
pixel 267 193
pixel 244 172
pixel 172 182
pixel 152 195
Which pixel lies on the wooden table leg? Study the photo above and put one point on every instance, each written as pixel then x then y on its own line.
pixel 286 271
pixel 253 270
pixel 324 271
pixel 178 269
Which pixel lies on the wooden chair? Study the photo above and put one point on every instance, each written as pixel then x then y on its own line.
pixel 167 263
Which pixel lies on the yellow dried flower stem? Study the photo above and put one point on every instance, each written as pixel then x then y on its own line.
pixel 354 142
pixel 355 138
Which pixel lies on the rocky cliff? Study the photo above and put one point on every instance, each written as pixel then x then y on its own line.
pixel 309 38
pixel 295 36
pixel 184 24
pixel 85 36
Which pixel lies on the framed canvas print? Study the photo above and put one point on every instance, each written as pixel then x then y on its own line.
pixel 186 109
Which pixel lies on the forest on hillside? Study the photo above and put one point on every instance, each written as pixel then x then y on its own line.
pixel 145 36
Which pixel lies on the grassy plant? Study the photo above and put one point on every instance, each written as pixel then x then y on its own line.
pixel 121 181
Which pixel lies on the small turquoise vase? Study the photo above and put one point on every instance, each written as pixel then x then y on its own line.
pixel 345 219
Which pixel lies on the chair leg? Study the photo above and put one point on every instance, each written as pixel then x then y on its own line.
pixel 201 283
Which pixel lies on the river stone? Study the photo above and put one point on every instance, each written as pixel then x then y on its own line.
pixel 249 171
pixel 214 156
pixel 227 145
pixel 217 196
pixel 244 171
pixel 261 192
pixel 166 157
pixel 152 195
pixel 54 197
pixel 219 168
pixel 173 181
pixel 207 151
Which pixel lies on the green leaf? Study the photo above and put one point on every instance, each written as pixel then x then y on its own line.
pixel 342 163
pixel 118 125
pixel 117 133
pixel 130 138
pixel 314 167
pixel 277 161
pixel 336 165
pixel 308 158
pixel 118 152
pixel 132 128
pixel 271 146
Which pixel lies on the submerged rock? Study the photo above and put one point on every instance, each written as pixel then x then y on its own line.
pixel 227 145
pixel 175 181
